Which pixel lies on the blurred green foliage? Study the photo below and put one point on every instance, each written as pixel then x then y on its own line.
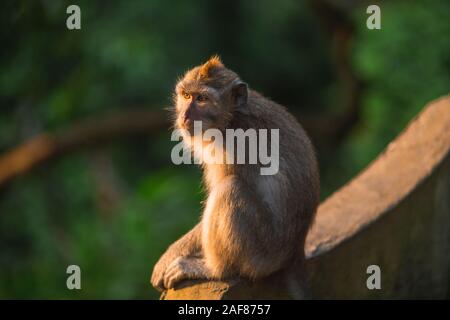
pixel 129 54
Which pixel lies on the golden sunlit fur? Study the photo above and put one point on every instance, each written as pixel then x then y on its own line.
pixel 252 226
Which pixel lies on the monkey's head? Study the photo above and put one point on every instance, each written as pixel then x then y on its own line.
pixel 209 93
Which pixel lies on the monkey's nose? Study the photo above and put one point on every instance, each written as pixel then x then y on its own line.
pixel 187 116
pixel 186 119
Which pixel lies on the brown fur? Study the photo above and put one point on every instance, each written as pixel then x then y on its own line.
pixel 252 225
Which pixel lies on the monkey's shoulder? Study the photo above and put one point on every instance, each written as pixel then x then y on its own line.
pixel 264 113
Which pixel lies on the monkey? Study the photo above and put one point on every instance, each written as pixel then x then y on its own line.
pixel 252 225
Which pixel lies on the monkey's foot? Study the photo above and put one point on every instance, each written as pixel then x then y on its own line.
pixel 184 268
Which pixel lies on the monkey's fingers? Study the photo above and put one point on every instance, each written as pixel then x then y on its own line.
pixel 174 274
pixel 170 279
pixel 157 281
pixel 159 286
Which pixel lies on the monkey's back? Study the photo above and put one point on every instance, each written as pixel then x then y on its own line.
pixel 293 192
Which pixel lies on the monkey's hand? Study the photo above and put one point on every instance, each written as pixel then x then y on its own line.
pixel 185 268
pixel 159 270
pixel 162 266
pixel 188 245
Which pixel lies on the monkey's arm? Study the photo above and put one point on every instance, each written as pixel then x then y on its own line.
pixel 187 246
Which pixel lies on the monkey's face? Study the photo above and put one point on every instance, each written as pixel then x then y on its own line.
pixel 196 102
pixel 209 94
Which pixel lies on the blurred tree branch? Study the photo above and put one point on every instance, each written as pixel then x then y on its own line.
pixel 341 32
pixel 48 146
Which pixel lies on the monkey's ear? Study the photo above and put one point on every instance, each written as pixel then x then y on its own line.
pixel 239 94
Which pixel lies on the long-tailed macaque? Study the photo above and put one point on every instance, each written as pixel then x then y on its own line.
pixel 253 225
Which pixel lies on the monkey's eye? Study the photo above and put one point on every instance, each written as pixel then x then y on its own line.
pixel 186 95
pixel 202 98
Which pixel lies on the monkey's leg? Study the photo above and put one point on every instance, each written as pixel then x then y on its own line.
pixel 188 245
pixel 241 235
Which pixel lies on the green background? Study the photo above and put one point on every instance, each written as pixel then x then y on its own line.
pixel 128 54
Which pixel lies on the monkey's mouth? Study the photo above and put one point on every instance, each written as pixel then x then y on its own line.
pixel 184 123
pixel 187 123
pixel 194 127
